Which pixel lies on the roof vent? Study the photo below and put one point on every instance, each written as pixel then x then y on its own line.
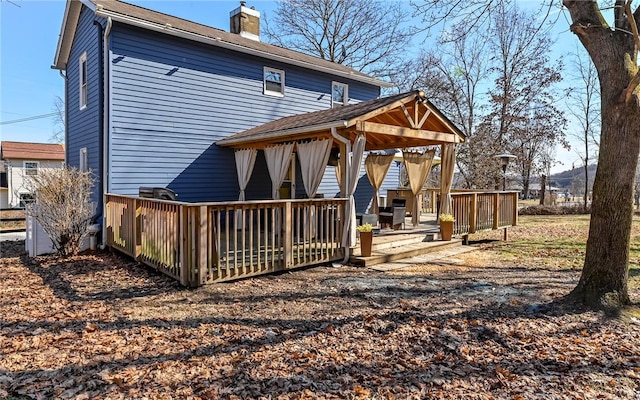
pixel 245 22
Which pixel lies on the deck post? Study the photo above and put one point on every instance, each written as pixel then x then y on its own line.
pixel 137 229
pixel 288 235
pixel 185 266
pixel 496 210
pixel 514 220
pixel 473 213
pixel 203 243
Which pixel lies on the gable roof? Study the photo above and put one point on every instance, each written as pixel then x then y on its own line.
pixel 388 114
pixel 130 14
pixel 31 151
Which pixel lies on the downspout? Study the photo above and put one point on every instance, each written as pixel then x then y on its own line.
pixel 347 143
pixel 97 217
pixel 66 116
pixel 105 127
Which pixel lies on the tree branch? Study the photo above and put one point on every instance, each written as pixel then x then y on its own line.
pixel 635 81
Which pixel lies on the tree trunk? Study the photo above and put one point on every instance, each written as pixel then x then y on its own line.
pixel 605 273
pixel 543 186
pixel 614 53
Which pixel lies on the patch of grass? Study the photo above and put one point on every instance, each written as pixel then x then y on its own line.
pixel 555 241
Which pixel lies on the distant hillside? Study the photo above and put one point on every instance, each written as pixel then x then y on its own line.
pixel 573 178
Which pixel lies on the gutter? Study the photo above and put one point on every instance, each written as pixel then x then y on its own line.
pixel 232 46
pixel 346 230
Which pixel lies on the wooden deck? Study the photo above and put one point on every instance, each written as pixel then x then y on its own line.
pixel 201 243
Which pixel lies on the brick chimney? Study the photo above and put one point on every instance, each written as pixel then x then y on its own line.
pixel 245 22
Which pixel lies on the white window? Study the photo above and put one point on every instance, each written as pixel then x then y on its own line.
pixel 84 162
pixel 273 82
pixel 339 94
pixel 31 167
pixel 82 80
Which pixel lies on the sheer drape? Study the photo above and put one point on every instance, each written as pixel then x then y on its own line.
pixel 349 233
pixel 277 158
pixel 446 180
pixel 418 166
pixel 245 160
pixel 377 166
pixel 313 157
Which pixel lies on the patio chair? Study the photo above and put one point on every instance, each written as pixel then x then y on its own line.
pixel 394 215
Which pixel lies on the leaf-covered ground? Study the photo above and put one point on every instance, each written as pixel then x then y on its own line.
pixel 483 325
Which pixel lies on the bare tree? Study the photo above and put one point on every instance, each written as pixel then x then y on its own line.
pixel 613 47
pixel 451 76
pixel 62 206
pixel 584 103
pixel 58 120
pixel 516 114
pixel 364 35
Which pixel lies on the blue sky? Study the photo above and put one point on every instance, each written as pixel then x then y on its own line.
pixel 28 39
pixel 29 35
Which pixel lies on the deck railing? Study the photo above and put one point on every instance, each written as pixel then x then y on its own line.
pixel 483 210
pixel 199 243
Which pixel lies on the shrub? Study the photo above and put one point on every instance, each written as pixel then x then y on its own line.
pixel 364 228
pixel 62 206
pixel 447 218
pixel 555 210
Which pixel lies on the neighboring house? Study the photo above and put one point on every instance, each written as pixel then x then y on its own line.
pixel 148 95
pixel 20 161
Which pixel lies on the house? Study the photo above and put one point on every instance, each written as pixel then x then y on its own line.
pixel 221 119
pixel 149 94
pixel 19 161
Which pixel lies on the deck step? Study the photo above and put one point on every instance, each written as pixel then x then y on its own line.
pixel 402 240
pixel 379 256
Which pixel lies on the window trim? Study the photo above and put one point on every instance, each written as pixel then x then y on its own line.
pixel 25 169
pixel 345 100
pixel 83 87
pixel 84 160
pixel 264 82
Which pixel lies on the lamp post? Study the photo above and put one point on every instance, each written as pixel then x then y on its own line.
pixel 504 161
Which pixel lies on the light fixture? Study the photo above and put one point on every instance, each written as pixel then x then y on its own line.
pixel 504 161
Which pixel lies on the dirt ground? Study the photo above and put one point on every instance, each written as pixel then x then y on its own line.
pixel 478 326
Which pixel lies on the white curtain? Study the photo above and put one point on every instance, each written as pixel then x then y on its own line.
pixel 377 166
pixel 446 180
pixel 245 160
pixel 418 166
pixel 349 233
pixel 313 158
pixel 277 158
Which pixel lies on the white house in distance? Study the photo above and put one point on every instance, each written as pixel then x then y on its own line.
pixel 19 161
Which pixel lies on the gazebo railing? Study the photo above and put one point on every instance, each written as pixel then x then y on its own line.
pixel 199 243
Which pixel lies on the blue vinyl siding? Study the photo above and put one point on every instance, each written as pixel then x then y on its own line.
pixel 83 126
pixel 171 99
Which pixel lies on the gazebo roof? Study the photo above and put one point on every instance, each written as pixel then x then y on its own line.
pixel 399 121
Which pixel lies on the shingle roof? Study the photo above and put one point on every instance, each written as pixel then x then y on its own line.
pixel 318 123
pixel 173 25
pixel 315 118
pixel 31 151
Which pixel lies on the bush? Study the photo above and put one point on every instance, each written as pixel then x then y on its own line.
pixel 62 206
pixel 555 210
